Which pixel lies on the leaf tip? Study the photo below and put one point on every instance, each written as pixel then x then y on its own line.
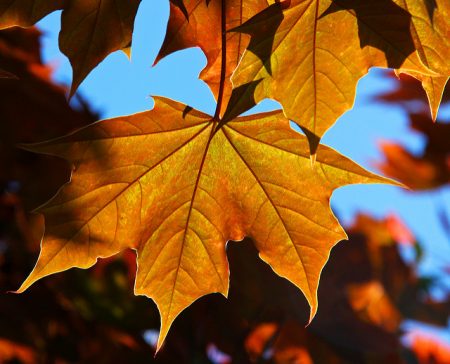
pixel 127 52
pixel 164 330
pixel 313 311
pixel 24 286
pixel 312 159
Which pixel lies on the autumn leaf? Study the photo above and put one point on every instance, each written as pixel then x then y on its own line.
pixel 428 172
pixel 90 30
pixel 371 302
pixel 434 88
pixel 199 24
pixel 408 94
pixel 32 108
pixel 430 30
pixel 169 185
pixel 283 344
pixel 26 13
pixel 310 54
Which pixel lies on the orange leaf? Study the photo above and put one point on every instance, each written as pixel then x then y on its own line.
pixel 433 86
pixel 169 185
pixel 198 24
pixel 429 348
pixel 310 54
pixel 430 30
pixel 371 302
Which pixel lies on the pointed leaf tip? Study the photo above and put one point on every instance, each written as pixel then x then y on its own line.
pixel 312 158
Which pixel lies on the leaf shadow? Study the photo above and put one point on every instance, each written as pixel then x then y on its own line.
pixel 431 6
pixel 242 99
pixel 266 22
pixel 382 24
pixel 180 5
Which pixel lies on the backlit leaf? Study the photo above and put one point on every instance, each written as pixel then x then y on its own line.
pixel 26 13
pixel 434 88
pixel 310 54
pixel 430 29
pixel 430 32
pixel 198 23
pixel 90 29
pixel 166 184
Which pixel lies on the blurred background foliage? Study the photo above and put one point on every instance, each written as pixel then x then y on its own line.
pixel 369 291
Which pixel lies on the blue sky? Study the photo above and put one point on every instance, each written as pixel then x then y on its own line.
pixel 120 87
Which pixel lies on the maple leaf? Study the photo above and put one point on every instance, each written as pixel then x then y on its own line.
pixel 170 185
pixel 431 34
pixel 434 88
pixel 411 97
pixel 90 30
pixel 197 23
pixel 310 54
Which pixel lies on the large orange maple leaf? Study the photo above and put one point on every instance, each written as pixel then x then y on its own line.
pixel 174 187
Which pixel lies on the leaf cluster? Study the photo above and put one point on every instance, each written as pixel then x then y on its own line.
pixel 175 184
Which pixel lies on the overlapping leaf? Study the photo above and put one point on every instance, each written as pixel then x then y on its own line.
pixel 430 168
pixel 310 54
pixel 166 184
pixel 199 23
pixel 430 29
pixel 90 29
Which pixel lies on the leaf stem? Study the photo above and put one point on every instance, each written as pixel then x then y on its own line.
pixel 223 65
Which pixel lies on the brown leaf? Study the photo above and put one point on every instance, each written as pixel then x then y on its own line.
pixel 165 183
pixel 32 109
pixel 198 25
pixel 426 171
pixel 26 13
pixel 90 30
